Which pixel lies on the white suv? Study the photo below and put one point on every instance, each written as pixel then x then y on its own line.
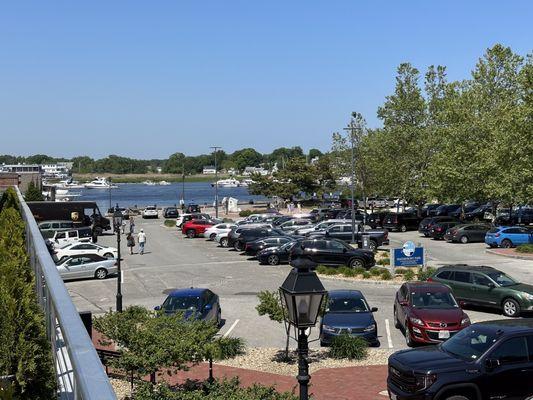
pixel 150 212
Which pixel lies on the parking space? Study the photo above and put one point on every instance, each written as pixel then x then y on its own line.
pixel 172 261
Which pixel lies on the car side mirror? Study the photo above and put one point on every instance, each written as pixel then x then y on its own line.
pixel 157 308
pixel 492 363
pixel 373 309
pixel 491 285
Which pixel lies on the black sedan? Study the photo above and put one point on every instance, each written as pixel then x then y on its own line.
pixel 438 230
pixel 170 212
pixel 348 313
pixel 467 233
pixel 275 255
pixel 252 248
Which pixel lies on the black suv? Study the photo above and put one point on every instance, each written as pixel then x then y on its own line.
pixel 487 360
pixel 250 235
pixel 334 252
pixel 525 216
pixel 427 223
pixel 170 212
pixel 401 221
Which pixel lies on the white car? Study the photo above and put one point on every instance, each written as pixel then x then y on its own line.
pixel 213 231
pixel 150 212
pixel 222 238
pixel 74 249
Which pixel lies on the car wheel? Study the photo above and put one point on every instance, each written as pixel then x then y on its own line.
pixel 372 245
pixel 408 340
pixel 273 259
pixel 456 397
pixel 403 228
pixel 511 308
pixel 101 273
pixel 397 324
pixel 237 246
pixel 357 263
pixel 191 233
pixel 212 236
pixel 507 244
pixel 464 239
pixel 224 242
pixel 109 256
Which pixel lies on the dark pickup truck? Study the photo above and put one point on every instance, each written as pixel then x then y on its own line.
pixel 378 237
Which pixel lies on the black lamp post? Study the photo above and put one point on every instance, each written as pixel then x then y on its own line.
pixel 301 295
pixel 117 223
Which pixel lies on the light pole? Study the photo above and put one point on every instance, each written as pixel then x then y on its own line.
pixel 215 149
pixel 183 187
pixel 109 181
pixel 351 129
pixel 301 296
pixel 117 222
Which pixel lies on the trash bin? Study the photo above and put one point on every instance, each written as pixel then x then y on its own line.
pixel 366 241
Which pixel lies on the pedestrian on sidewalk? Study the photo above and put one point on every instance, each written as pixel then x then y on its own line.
pixel 131 242
pixel 142 241
pixel 132 225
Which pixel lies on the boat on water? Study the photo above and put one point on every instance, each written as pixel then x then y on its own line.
pixel 149 183
pixel 164 183
pixel 246 182
pixel 227 183
pixel 99 183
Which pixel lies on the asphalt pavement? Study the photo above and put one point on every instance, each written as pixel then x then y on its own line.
pixel 173 261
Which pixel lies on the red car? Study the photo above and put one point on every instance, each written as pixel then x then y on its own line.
pixel 195 227
pixel 428 313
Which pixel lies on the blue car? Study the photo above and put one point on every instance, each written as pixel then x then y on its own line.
pixel 347 312
pixel 194 303
pixel 508 236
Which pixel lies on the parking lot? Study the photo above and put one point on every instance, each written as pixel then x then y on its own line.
pixel 172 261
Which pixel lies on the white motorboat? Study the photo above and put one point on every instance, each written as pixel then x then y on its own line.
pixel 227 183
pixel 246 182
pixel 164 183
pixel 149 183
pixel 99 183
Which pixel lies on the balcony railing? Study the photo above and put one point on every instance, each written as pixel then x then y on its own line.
pixel 80 374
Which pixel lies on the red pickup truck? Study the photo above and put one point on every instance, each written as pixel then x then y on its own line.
pixel 195 228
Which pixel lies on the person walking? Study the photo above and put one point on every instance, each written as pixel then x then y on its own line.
pixel 131 242
pixel 132 225
pixel 142 241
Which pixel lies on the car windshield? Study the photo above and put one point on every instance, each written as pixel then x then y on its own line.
pixel 470 343
pixel 287 246
pixel 433 300
pixel 174 303
pixel 347 305
pixel 501 279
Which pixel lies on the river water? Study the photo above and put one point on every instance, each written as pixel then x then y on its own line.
pixel 140 195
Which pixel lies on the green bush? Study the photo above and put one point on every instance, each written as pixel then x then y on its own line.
pixel 386 275
pixel 321 269
pixel 350 347
pixel 349 272
pixel 359 270
pixel 384 261
pixel 331 271
pixel 170 223
pixel 366 275
pixel 33 193
pixel 245 213
pixel 525 248
pixel 400 271
pixel 409 275
pixel 423 275
pixel 375 271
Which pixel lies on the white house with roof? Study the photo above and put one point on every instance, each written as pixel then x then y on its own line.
pixel 209 170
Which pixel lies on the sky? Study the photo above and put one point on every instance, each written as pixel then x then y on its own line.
pixel 146 79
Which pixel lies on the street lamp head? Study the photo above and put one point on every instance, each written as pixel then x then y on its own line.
pixel 302 292
pixel 117 217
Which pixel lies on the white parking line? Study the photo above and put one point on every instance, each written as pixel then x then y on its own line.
pixel 231 328
pixel 387 328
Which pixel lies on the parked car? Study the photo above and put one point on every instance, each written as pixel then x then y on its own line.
pixel 523 217
pixel 252 248
pixel 376 219
pixel 222 239
pixel 502 236
pixel 401 222
pixel 334 212
pixel 478 214
pixel 86 266
pixel 467 233
pixel 347 313
pixel 61 238
pixel 378 237
pixel 183 218
pixel 275 255
pixel 280 219
pixel 249 235
pixel 487 287
pixel 48 228
pixel 294 224
pixel 192 209
pixel 319 214
pixel 170 212
pixel 308 229
pixel 427 312
pixel 194 303
pixel 429 209
pixel 150 212
pixel 77 248
pixel 487 360
pixel 195 228
pixel 214 230
pixel 335 252
pixel 446 209
pixel 463 210
pixel 427 223
pixel 438 230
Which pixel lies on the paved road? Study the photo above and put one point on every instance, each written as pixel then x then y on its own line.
pixel 173 261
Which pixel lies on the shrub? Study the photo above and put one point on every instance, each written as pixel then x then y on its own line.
pixel 350 347
pixel 374 271
pixel 423 275
pixel 400 271
pixel 366 275
pixel 359 270
pixel 386 275
pixel 384 261
pixel 349 272
pixel 331 271
pixel 33 193
pixel 245 213
pixel 170 223
pixel 409 275
pixel 321 269
pixel 525 248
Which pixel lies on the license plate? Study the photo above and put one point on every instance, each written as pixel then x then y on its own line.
pixel 444 334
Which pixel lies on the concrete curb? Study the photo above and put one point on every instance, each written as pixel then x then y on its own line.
pixel 528 258
pixel 355 280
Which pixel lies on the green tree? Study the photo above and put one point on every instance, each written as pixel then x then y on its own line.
pixel 247 157
pixel 33 193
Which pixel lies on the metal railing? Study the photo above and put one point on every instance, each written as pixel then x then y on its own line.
pixel 80 374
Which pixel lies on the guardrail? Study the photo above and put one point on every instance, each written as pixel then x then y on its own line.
pixel 79 372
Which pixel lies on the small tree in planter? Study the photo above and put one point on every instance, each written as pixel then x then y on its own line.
pixel 270 305
pixel 350 347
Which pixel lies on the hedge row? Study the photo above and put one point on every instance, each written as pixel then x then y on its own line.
pixel 24 349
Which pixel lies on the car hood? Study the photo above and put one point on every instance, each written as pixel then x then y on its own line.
pixel 521 287
pixel 426 359
pixel 448 315
pixel 187 314
pixel 348 320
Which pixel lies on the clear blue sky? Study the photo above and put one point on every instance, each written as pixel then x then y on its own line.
pixel 149 78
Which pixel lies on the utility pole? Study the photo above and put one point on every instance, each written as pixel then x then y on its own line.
pixel 351 129
pixel 183 187
pixel 215 150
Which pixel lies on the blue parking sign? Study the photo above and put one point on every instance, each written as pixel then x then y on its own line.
pixel 408 256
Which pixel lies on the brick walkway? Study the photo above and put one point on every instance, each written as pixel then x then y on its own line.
pixel 512 253
pixel 357 383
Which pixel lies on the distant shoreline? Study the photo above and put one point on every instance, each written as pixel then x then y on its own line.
pixel 139 178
